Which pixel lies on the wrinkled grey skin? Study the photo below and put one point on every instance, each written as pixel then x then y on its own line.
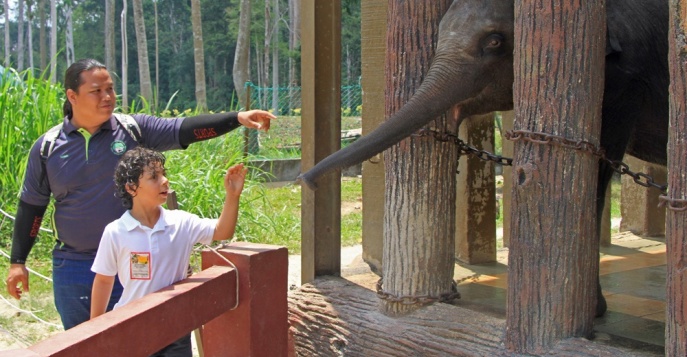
pixel 472 73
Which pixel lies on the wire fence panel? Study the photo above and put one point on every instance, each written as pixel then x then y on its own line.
pixel 287 100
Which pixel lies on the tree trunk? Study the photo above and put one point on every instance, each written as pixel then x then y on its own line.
pixel 294 43
pixel 20 35
pixel 69 33
pixel 198 56
pixel 7 34
pixel 266 53
pixel 334 317
pixel 53 41
pixel 554 249
pixel 420 172
pixel 125 60
pixel 241 57
pixel 275 58
pixel 29 35
pixel 676 224
pixel 142 46
pixel 43 51
pixel 157 60
pixel 110 52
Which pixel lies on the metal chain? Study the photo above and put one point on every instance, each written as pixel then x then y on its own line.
pixel 620 167
pixel 417 299
pixel 464 148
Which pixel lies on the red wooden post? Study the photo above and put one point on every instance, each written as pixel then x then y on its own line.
pixel 259 325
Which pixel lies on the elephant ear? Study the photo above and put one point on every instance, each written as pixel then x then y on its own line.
pixel 612 43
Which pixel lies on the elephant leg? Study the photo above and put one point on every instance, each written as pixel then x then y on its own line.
pixel 605 176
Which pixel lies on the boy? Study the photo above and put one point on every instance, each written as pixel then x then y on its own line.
pixel 149 247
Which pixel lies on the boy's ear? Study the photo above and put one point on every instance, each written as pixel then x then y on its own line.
pixel 131 188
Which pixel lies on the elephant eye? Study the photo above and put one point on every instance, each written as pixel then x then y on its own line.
pixel 494 41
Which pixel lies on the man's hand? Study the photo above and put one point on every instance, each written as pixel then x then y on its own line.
pixel 18 275
pixel 256 119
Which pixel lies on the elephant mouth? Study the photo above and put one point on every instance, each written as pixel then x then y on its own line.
pixel 454 114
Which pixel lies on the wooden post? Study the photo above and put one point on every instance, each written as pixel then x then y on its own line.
pixel 476 195
pixel 676 221
pixel 507 119
pixel 258 326
pixel 373 33
pixel 640 211
pixel 321 136
pixel 553 256
pixel 419 226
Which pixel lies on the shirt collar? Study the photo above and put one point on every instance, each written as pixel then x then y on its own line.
pixel 130 223
pixel 68 127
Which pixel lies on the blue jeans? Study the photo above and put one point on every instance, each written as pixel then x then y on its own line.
pixel 179 348
pixel 72 284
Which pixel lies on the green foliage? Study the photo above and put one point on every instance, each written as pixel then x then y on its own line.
pixel 29 107
pixel 175 44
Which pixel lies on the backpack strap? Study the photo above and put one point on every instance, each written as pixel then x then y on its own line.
pixel 130 125
pixel 48 143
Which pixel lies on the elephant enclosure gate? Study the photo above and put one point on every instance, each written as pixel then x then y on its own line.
pixel 332 316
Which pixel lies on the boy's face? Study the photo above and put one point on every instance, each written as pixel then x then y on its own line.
pixel 153 187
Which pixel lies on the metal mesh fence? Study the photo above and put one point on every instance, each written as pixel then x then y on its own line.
pixel 287 100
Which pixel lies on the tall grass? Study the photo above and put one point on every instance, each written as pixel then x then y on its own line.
pixel 29 106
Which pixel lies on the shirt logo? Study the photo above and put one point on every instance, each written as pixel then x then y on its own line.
pixel 118 147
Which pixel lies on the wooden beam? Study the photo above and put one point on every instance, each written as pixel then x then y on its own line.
pixel 373 42
pixel 321 136
pixel 145 326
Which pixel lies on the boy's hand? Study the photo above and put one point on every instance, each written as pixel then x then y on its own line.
pixel 256 119
pixel 234 179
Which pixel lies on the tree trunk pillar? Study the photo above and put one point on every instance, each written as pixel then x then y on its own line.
pixel 553 257
pixel 419 224
pixel 676 221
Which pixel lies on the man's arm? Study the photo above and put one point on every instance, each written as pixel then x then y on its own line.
pixel 100 295
pixel 208 126
pixel 26 227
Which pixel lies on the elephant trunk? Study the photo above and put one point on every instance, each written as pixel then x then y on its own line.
pixel 432 99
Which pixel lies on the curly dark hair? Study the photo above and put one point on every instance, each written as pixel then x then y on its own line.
pixel 131 167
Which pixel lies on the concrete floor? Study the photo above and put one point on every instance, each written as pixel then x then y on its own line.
pixel 633 273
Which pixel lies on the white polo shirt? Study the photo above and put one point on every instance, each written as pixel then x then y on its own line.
pixel 149 259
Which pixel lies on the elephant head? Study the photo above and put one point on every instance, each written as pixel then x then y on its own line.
pixel 471 73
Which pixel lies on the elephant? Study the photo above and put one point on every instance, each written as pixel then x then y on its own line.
pixel 472 73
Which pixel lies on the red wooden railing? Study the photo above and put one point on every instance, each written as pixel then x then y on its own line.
pixel 206 300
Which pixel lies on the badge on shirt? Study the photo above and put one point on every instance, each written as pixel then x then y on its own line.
pixel 140 265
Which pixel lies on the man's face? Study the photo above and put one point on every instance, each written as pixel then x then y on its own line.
pixel 96 98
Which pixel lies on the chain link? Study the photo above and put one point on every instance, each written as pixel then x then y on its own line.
pixel 620 167
pixel 417 299
pixel 672 203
